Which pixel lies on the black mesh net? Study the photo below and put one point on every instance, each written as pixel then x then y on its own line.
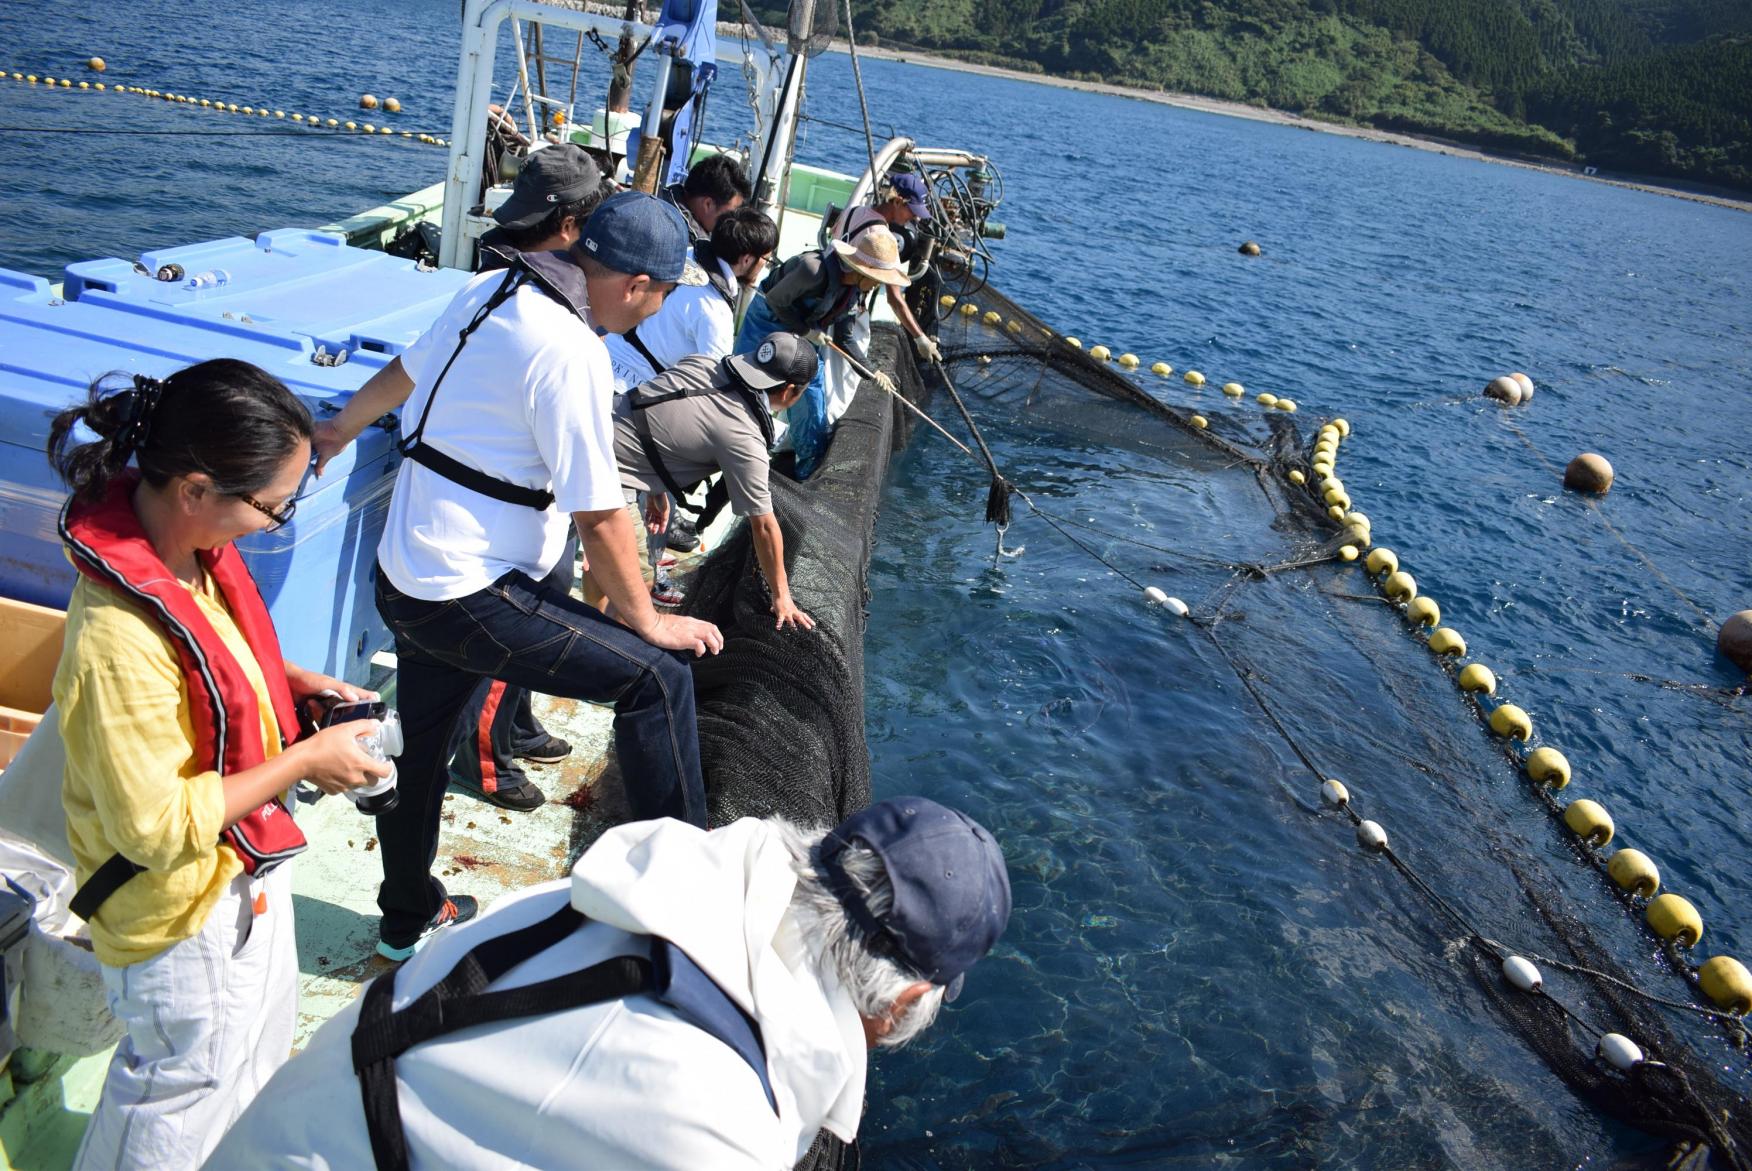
pixel 782 713
pixel 1410 722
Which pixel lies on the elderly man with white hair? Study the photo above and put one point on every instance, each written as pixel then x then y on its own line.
pixel 686 1000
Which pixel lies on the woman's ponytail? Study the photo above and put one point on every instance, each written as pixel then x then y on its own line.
pixel 122 421
pixel 230 420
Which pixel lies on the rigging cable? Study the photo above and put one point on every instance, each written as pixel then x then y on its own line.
pixel 858 79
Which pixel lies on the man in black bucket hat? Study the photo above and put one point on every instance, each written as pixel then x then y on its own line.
pixel 685 1000
pixel 705 415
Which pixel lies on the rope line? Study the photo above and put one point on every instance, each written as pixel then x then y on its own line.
pixel 863 105
pixel 323 132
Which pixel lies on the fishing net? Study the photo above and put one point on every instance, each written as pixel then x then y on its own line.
pixel 781 712
pixel 1268 595
pixel 1276 611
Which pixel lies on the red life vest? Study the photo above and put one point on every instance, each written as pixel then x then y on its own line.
pixel 109 546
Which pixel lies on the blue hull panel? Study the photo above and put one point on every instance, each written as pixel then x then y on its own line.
pixel 288 293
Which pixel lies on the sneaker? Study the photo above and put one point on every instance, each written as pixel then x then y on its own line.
pixel 682 537
pixel 521 796
pixel 456 909
pixel 548 750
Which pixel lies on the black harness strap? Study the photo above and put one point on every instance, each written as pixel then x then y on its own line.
pixel 640 402
pixel 461 1001
pixel 413 446
pixel 638 343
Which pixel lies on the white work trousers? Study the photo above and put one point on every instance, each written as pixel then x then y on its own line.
pixel 208 1022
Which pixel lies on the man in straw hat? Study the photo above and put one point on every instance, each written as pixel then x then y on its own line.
pixel 816 292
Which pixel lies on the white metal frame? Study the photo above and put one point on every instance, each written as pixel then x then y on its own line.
pixel 474 92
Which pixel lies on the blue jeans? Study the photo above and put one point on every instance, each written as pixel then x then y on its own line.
pixel 496 723
pixel 806 420
pixel 531 635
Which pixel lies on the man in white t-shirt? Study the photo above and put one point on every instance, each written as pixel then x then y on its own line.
pixel 700 316
pixel 509 440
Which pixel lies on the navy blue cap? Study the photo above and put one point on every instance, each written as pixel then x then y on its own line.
pixel 637 234
pixel 951 890
pixel 911 188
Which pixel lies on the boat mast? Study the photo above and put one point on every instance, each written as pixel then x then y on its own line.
pixel 464 187
pixel 781 141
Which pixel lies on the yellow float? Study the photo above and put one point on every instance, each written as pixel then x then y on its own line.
pixel 1727 983
pixel 1400 586
pixel 1511 722
pixel 1634 871
pixel 1478 677
pixel 1447 641
pixel 1589 821
pixel 1675 920
pixel 1382 561
pixel 1424 612
pixel 1548 767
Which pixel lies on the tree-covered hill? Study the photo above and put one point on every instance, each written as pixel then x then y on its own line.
pixel 1654 87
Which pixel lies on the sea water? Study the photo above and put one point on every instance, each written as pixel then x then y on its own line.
pixel 1200 970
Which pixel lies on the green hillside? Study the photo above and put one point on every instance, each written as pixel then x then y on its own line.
pixel 1652 87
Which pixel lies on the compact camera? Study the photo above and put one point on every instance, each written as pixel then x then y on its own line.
pixel 380 745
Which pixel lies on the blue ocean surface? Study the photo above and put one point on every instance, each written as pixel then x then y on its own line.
pixel 1203 969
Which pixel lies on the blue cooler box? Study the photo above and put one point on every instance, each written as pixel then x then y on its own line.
pixel 288 294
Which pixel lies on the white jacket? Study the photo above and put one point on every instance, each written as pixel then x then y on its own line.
pixel 625 1084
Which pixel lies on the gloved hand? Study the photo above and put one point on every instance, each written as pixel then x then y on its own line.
pixel 817 338
pixel 881 378
pixel 925 346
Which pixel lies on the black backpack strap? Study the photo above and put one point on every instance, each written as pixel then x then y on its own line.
pixel 638 343
pixel 638 401
pixel 413 446
pixel 460 1001
pixel 648 445
pixel 105 881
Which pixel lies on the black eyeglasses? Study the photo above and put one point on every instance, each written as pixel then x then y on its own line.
pixel 280 517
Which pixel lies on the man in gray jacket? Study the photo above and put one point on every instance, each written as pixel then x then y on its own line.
pixel 706 415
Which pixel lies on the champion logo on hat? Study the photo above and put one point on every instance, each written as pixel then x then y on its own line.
pixel 590 244
pixel 553 199
pixel 765 353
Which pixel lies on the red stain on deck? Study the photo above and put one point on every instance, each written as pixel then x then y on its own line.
pixel 581 798
pixel 468 861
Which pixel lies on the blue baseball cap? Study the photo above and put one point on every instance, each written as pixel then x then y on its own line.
pixel 637 234
pixel 951 890
pixel 911 188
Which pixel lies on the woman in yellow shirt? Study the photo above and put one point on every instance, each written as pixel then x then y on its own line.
pixel 181 732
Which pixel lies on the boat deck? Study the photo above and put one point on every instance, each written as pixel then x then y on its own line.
pixel 484 851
